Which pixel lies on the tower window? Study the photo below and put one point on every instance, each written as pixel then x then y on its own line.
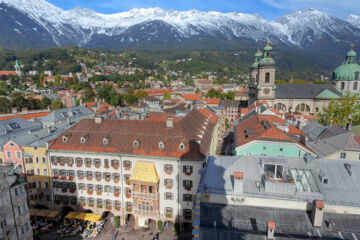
pixel 342 85
pixel 267 77
pixel 355 86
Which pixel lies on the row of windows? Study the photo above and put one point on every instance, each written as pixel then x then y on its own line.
pixel 30 159
pixel 161 145
pixel 89 175
pixel 31 172
pixel 343 156
pixel 106 141
pixel 9 154
pixel 168 168
pixel 355 86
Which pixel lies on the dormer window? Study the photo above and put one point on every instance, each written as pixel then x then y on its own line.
pixel 161 145
pixel 83 140
pixel 135 143
pixel 64 139
pixel 105 141
pixel 181 146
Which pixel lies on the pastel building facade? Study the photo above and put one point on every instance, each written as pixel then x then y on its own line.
pixel 148 170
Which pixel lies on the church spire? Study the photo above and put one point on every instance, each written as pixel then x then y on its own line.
pixel 351 56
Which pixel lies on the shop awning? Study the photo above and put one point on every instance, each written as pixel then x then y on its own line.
pixel 84 216
pixel 43 213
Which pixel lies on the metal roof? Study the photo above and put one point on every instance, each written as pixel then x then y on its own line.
pixel 341 189
pixel 303 91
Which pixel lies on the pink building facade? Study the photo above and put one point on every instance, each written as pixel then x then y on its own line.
pixel 13 153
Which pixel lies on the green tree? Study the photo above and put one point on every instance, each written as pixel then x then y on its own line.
pixel 341 112
pixel 140 94
pixel 18 100
pixel 117 221
pixel 5 105
pixel 56 104
pixel 57 80
pixel 45 102
pixel 167 96
pixel 160 226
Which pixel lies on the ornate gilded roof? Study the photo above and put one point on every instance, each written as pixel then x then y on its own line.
pixel 145 172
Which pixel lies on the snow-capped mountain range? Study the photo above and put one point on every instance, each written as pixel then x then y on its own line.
pixel 37 23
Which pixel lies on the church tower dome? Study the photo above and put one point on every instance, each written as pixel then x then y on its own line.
pixel 267 60
pixel 346 77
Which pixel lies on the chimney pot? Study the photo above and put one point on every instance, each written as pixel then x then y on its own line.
pixel 98 118
pixel 271 230
pixel 317 213
pixel 169 122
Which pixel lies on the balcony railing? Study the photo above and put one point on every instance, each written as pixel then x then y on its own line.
pixel 146 213
pixel 145 195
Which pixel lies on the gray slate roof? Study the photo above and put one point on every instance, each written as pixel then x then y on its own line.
pixel 12 128
pixel 75 113
pixel 302 91
pixel 342 188
pixel 250 223
pixel 326 146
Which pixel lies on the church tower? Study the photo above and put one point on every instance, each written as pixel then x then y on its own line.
pixel 254 77
pixel 17 69
pixel 266 83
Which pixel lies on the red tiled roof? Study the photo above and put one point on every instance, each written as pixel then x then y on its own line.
pixel 105 107
pixel 253 129
pixel 49 77
pixel 192 97
pixel 89 105
pixel 7 73
pixel 275 119
pixel 122 134
pixel 196 97
pixel 27 116
pixel 243 111
pixel 157 92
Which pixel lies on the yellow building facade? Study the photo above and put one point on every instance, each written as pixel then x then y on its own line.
pixel 37 169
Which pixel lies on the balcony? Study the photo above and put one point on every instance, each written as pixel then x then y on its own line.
pixel 145 195
pixel 146 213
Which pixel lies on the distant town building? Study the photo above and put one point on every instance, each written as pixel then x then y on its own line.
pixel 303 98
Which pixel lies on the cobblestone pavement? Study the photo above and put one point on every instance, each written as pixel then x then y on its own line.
pixel 126 232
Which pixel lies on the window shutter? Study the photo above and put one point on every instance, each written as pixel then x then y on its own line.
pixel 191 169
pixel 184 169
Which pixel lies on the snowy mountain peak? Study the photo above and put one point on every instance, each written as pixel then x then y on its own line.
pixel 354 20
pixel 86 27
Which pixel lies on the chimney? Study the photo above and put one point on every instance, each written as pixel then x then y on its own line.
pixel 270 229
pixel 169 122
pixel 14 110
pixel 48 130
pixel 68 121
pixel 302 139
pixel 239 182
pixel 317 213
pixel 25 110
pixel 98 118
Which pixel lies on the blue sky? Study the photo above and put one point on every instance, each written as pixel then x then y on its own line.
pixel 269 9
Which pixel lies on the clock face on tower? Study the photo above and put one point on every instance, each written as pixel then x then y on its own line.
pixel 266 91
